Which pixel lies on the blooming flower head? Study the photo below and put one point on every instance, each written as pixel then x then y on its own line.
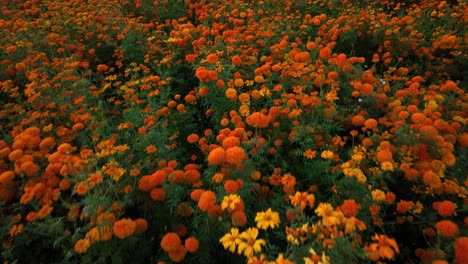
pixel 249 243
pixel 124 228
pixel 207 200
pixel 170 241
pixel 461 250
pixel 267 219
pixel 447 228
pixel 231 240
pixel 302 199
pixel 383 248
pixel 229 202
pixel 327 154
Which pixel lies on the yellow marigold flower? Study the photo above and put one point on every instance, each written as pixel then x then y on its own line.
pixel 378 195
pixel 327 154
pixel 231 240
pixel 249 243
pixel 324 209
pixel 267 219
pixel 386 166
pixel 230 201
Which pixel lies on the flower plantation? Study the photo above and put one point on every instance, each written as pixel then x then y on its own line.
pixel 196 131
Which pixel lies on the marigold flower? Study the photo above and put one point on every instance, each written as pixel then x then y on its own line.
pixel 249 243
pixel 447 228
pixel 231 240
pixel 217 156
pixel 235 155
pixel 370 123
pixel 158 194
pixel 124 228
pixel 231 186
pixel 384 248
pixel 6 176
pixel 82 245
pixel 192 138
pixel 257 120
pixel 267 219
pixel 102 67
pixel 178 254
pixel 445 208
pixel 310 154
pixel 230 142
pixel 327 154
pixel 212 58
pixel 302 199
pixel 191 244
pixel 231 94
pixel 350 208
pixel 171 241
pixel 461 250
pixel 238 218
pixel 207 200
pixel 141 225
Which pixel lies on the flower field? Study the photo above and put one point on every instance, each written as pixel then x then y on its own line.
pixel 197 131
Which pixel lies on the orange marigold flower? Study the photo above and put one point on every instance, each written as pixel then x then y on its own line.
pixel 196 194
pixel 230 142
pixel 235 155
pixel 445 208
pixel 350 208
pixel 6 177
pixel 231 186
pixel 257 120
pixel 384 155
pixel 236 60
pixel 418 118
pixel 231 94
pixel 124 228
pixel 403 206
pixel 192 138
pixel 238 218
pixel 461 250
pixel 357 120
pixel 178 254
pixel 370 123
pixel 212 58
pixel 102 67
pixel 158 194
pixel 191 244
pixel 141 225
pixel 82 245
pixel 170 241
pixel 207 200
pixel 217 156
pixel 325 53
pixel 447 228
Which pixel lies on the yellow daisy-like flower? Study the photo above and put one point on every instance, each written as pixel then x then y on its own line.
pixel 267 219
pixel 231 240
pixel 249 243
pixel 230 201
